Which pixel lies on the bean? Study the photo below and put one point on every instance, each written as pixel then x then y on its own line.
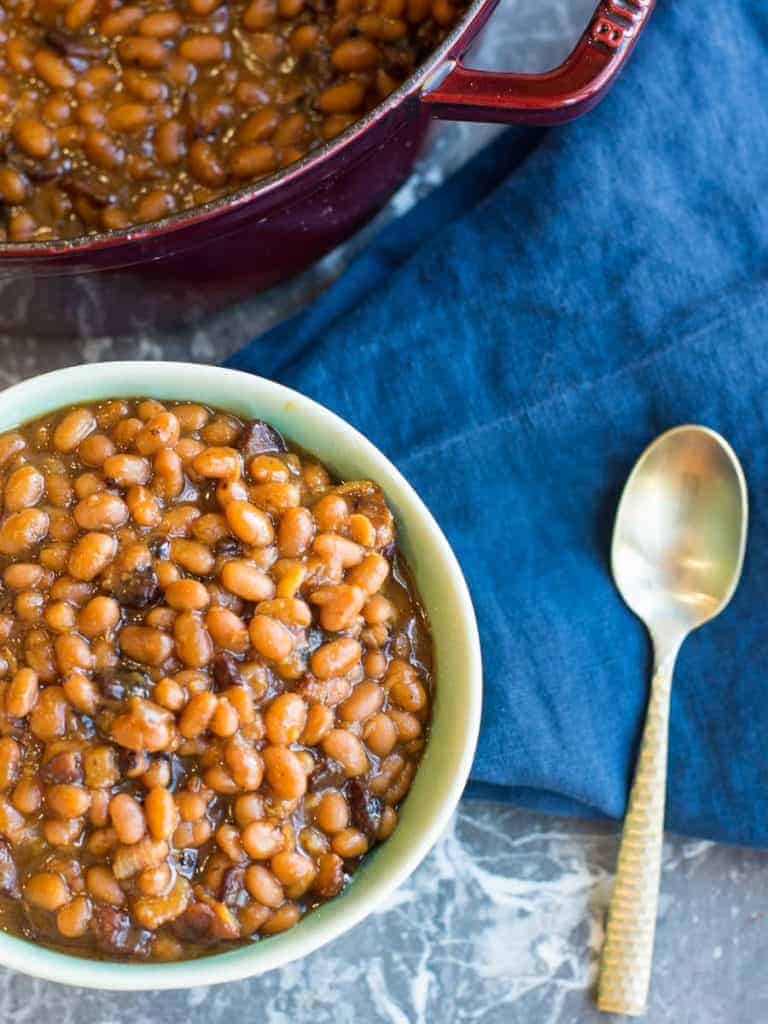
pixel 127 818
pixel 319 723
pixel 339 605
pixel 202 49
pixel 33 137
pixel 285 772
pixel 347 749
pixel 127 117
pixel 154 205
pixel 27 796
pixel 204 165
pixel 249 807
pixel 103 150
pixel 169 143
pixel 13 185
pixel 225 721
pixel 250 161
pixel 332 547
pixel 53 70
pixel 218 463
pixel 244 579
pixel 380 735
pixel 244 763
pixel 91 555
pixel 355 54
pixel 101 511
pixel 370 574
pixel 259 126
pixel 193 642
pixel 10 762
pixel 227 630
pixel 377 26
pixel 252 525
pixel 270 638
pixel 95 449
pixel 366 699
pixel 336 658
pixel 343 98
pixel 290 610
pixel 187 595
pixel 350 843
pixel 332 812
pixel 330 875
pixel 127 470
pixel 161 24
pixel 118 22
pixel 23 576
pixel 22 693
pixel 68 800
pixel 23 530
pixel 285 718
pixel 259 14
pixel 99 616
pixel 73 918
pixel 78 13
pixel 142 506
pixel 295 532
pixel 275 496
pixel 193 556
pixel 46 890
pixel 128 861
pixel 103 886
pixel 81 692
pixel 72 652
pixel 197 714
pixel 147 52
pixel 263 886
pixel 73 428
pixel 286 916
pixel 24 488
pixel 146 645
pixel 161 813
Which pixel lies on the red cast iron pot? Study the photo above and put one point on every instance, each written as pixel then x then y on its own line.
pixel 180 268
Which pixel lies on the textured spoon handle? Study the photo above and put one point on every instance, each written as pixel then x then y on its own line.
pixel 628 950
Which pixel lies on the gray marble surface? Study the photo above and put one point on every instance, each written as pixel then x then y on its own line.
pixel 503 922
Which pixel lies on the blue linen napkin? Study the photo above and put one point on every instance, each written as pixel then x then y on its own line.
pixel 514 342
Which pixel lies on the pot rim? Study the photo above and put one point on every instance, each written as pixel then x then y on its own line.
pixel 315 159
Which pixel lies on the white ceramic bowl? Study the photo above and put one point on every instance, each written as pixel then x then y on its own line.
pixel 456 714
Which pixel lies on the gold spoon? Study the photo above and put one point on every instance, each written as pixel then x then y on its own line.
pixel 678 548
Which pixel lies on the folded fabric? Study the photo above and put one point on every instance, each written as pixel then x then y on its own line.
pixel 514 342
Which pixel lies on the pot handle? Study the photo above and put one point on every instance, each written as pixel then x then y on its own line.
pixel 459 93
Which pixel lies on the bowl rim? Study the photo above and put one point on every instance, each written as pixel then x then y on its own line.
pixel 95 380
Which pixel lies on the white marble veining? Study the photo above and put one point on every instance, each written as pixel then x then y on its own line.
pixel 502 924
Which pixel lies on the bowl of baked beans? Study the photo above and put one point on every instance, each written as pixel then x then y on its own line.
pixel 240 677
pixel 226 145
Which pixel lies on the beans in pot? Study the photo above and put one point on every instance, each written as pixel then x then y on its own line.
pixel 118 113
pixel 215 676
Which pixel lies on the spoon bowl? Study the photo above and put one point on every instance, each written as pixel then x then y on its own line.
pixel 680 533
pixel 678 549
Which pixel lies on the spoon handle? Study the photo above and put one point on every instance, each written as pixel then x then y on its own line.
pixel 625 968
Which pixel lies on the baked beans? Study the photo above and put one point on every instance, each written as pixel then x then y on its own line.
pixel 215 674
pixel 117 113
